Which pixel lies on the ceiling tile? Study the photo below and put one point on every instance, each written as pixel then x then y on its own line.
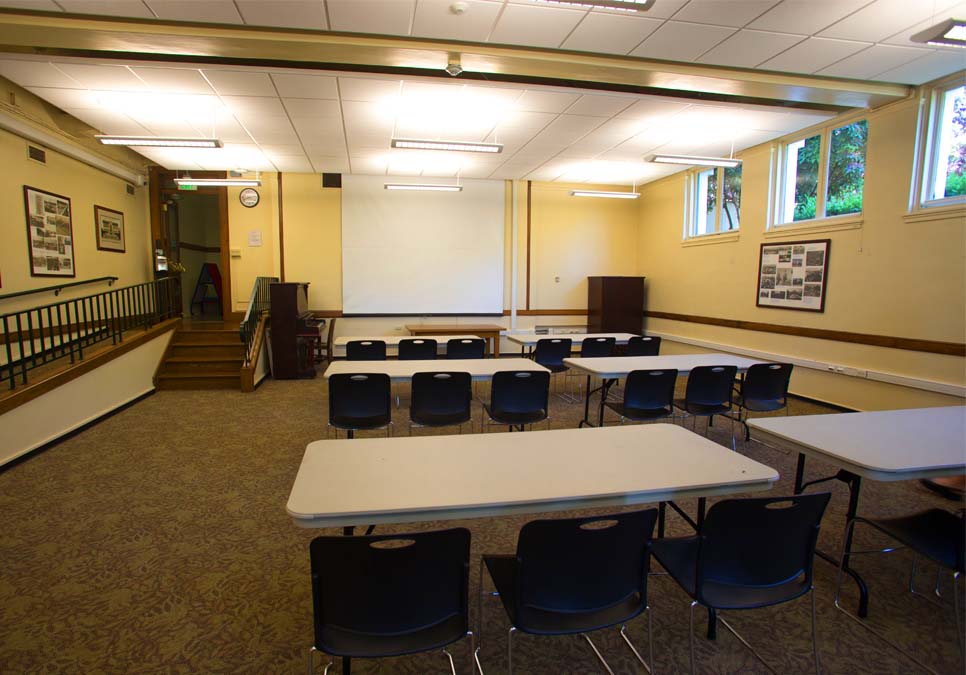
pixel 330 165
pixel 812 55
pixel 80 99
pixel 107 122
pixel 174 80
pixel 651 109
pixel 678 41
pixel 434 19
pixel 748 48
pixel 43 5
pixel 361 89
pixel 806 16
pixel 163 126
pixel 902 37
pixel 303 14
pixel 134 8
pixel 103 77
pixel 315 108
pixel 389 17
pixel 312 133
pixel 36 74
pixel 297 85
pixel 926 68
pixel 205 11
pixel 610 33
pixel 240 83
pixel 872 61
pixel 535 26
pixel 664 9
pixel 567 129
pixel 599 106
pixel 292 164
pixel 730 13
pixel 536 100
pixel 250 107
pixel 884 18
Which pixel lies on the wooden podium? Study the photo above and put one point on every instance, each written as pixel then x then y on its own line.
pixel 615 305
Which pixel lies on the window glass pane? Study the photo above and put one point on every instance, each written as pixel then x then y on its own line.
pixel 731 199
pixel 950 159
pixel 801 179
pixel 846 169
pixel 706 184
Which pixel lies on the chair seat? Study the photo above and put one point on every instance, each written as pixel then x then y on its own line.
pixel 555 367
pixel 441 419
pixel 339 642
pixel 358 423
pixel 935 534
pixel 701 408
pixel 759 405
pixel 503 570
pixel 639 414
pixel 507 417
pixel 679 557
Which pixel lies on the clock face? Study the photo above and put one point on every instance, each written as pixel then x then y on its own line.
pixel 248 197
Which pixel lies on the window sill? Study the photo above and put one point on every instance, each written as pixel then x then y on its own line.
pixel 834 224
pixel 929 214
pixel 723 238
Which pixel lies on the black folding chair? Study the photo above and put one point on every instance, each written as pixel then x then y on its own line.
pixel 518 398
pixel 708 393
pixel 643 345
pixel 749 553
pixel 648 396
pixel 550 353
pixel 440 399
pixel 390 595
pixel 365 350
pixel 360 402
pixel 764 388
pixel 417 349
pixel 465 348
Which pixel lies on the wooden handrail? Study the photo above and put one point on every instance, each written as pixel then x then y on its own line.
pixel 59 287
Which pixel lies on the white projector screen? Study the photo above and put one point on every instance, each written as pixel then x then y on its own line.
pixel 410 252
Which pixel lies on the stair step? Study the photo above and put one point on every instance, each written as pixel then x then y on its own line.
pixel 200 381
pixel 194 364
pixel 218 337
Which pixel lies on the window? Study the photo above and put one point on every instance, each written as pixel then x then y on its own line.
pixel 823 175
pixel 944 179
pixel 715 201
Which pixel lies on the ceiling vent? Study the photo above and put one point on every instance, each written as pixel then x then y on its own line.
pixel 36 154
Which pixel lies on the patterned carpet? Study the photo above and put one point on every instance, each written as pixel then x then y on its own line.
pixel 157 542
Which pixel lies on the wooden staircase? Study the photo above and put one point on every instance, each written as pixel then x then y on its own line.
pixel 202 355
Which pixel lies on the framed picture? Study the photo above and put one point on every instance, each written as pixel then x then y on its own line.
pixel 794 275
pixel 109 226
pixel 50 234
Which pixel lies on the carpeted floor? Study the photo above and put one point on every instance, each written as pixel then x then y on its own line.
pixel 157 542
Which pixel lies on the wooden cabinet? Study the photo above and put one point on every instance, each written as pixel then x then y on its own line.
pixel 292 351
pixel 615 304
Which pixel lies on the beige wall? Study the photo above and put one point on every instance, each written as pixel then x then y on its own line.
pixel 888 277
pixel 254 261
pixel 312 231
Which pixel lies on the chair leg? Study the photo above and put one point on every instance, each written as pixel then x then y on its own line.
pixel 509 649
pixel 694 604
pixel 479 610
pixel 818 662
pixel 452 666
pixel 312 651
pixel 650 646
pixel 959 625
pixel 748 645
pixel 597 653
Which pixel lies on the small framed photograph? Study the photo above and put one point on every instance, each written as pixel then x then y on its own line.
pixel 50 233
pixel 794 275
pixel 109 225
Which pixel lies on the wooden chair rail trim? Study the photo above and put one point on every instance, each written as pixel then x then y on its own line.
pixel 248 371
pixel 133 340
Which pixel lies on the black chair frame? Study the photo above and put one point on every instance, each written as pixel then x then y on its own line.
pixel 440 399
pixel 365 350
pixel 360 402
pixel 518 398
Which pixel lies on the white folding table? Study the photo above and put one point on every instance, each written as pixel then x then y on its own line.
pixel 612 368
pixel 343 483
pixel 403 371
pixel 888 445
pixel 529 340
pixel 392 341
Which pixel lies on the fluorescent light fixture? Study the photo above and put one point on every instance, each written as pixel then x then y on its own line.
pixel 219 182
pixel 459 146
pixel 602 193
pixel 623 5
pixel 160 141
pixel 694 160
pixel 426 187
pixel 949 33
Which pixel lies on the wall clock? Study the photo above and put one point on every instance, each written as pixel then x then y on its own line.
pixel 248 197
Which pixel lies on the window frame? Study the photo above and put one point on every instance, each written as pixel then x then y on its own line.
pixel 692 207
pixel 930 126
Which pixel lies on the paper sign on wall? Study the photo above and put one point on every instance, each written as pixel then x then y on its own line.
pixel 255 238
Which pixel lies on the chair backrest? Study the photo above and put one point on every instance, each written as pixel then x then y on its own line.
pixel 710 385
pixel 583 564
pixel 328 341
pixel 767 382
pixel 365 350
pixel 360 395
pixel 441 393
pixel 643 345
pixel 760 542
pixel 520 391
pixel 650 389
pixel 385 586
pixel 597 347
pixel 552 351
pixel 465 348
pixel 415 349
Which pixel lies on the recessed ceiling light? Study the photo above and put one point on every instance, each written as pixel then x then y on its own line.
pixel 603 193
pixel 425 187
pixel 415 144
pixel 218 182
pixel 694 160
pixel 949 33
pixel 160 141
pixel 623 5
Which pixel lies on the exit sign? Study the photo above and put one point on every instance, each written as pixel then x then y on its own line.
pixel 187 187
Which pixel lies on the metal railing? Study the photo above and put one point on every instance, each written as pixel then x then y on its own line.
pixel 63 330
pixel 59 287
pixel 258 304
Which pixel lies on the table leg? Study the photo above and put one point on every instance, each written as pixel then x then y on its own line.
pixel 496 344
pixel 586 419
pixel 605 386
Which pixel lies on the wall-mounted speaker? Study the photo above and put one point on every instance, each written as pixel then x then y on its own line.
pixel 332 180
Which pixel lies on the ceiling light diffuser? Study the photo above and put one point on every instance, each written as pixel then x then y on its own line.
pixel 219 182
pixel 694 160
pixel 949 33
pixel 459 146
pixel 160 141
pixel 623 5
pixel 425 187
pixel 603 193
